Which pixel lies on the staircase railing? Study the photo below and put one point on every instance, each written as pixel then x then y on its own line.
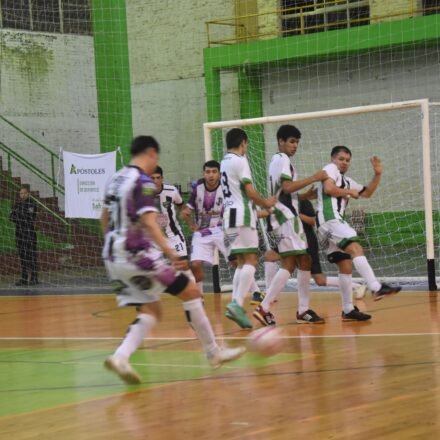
pixel 10 153
pixel 51 180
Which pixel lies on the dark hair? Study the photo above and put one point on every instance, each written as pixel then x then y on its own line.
pixel 211 164
pixel 235 137
pixel 158 170
pixel 287 131
pixel 141 144
pixel 339 148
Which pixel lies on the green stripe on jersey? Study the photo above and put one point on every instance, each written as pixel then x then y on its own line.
pixel 247 211
pixel 328 207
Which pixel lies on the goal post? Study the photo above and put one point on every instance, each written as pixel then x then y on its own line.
pixel 401 223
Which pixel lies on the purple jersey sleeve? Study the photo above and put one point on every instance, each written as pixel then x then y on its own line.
pixel 143 195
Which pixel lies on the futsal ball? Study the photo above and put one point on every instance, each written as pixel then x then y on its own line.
pixel 266 341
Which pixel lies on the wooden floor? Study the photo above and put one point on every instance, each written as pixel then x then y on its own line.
pixel 375 380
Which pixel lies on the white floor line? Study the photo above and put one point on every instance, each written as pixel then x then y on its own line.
pixel 220 337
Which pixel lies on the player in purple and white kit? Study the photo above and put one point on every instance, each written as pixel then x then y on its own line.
pixel 134 255
pixel 206 202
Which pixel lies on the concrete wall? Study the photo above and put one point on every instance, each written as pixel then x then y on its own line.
pixel 48 89
pixel 168 91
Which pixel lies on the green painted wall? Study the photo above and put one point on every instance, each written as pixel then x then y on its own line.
pixel 112 75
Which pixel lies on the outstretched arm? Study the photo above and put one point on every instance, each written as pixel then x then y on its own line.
pixel 252 193
pixel 331 189
pixel 374 183
pixel 291 186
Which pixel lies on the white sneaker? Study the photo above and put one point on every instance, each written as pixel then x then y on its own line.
pixel 123 369
pixel 225 355
pixel 360 291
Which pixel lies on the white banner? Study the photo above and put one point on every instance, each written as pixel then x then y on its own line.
pixel 85 176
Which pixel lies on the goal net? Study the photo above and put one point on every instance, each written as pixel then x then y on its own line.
pixel 396 227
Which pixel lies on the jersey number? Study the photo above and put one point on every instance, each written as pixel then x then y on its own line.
pixel 225 186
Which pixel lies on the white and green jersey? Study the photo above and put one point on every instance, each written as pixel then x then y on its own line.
pixel 329 207
pixel 238 208
pixel 280 169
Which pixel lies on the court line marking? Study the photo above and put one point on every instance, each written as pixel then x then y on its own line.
pixel 220 337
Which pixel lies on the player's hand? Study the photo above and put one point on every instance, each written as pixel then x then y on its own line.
pixel 171 255
pixel 194 227
pixel 270 201
pixel 180 264
pixel 310 194
pixel 320 176
pixel 263 213
pixel 352 193
pixel 377 165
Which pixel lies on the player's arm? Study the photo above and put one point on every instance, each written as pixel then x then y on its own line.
pixel 307 219
pixel 186 216
pixel 291 186
pixel 331 189
pixel 263 213
pixel 252 193
pixel 374 183
pixel 104 220
pixel 310 194
pixel 149 222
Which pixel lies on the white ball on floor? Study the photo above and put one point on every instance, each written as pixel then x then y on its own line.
pixel 266 341
pixel 360 291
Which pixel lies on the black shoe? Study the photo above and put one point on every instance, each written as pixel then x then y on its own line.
pixel 257 298
pixel 309 317
pixel 355 315
pixel 265 318
pixel 386 290
pixel 21 283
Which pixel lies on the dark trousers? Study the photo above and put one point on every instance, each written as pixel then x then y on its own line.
pixel 27 251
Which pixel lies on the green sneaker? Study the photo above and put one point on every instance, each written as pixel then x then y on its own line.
pixel 236 313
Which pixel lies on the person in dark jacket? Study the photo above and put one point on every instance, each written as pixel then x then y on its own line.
pixel 23 215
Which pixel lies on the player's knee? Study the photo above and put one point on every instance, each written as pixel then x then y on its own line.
pixel 271 256
pixel 190 292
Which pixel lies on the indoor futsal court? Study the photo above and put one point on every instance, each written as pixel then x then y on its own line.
pixel 330 381
pixel 267 161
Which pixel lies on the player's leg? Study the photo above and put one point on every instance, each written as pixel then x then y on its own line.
pixel 202 250
pixel 187 291
pixel 305 315
pixel 380 290
pixel 133 288
pixel 349 311
pixel 345 238
pixel 243 243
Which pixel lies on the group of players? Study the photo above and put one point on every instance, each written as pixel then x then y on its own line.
pixel 145 252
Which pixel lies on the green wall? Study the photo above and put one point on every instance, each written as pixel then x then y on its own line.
pixel 112 74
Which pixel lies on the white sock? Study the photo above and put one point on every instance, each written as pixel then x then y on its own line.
pixel 198 320
pixel 200 286
pixel 346 292
pixel 303 279
pixel 235 281
pixel 277 284
pixel 247 275
pixel 270 270
pixel 254 286
pixel 332 281
pixel 135 335
pixel 363 267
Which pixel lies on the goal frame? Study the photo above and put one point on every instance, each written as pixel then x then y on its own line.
pixel 422 104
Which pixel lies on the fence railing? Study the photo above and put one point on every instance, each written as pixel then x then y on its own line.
pixel 315 17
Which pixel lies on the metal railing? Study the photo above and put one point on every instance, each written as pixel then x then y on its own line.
pixel 298 17
pixel 50 180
